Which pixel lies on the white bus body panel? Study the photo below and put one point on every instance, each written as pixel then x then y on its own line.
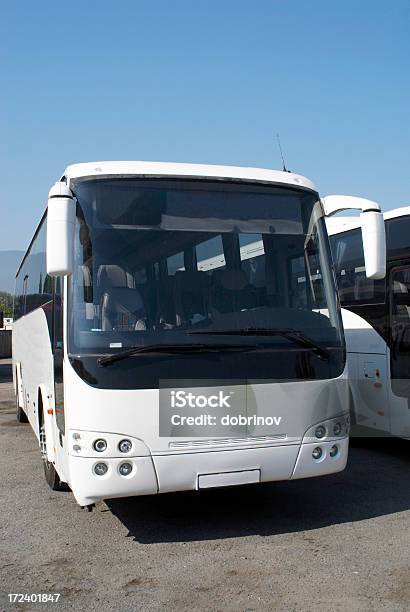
pixel 374 403
pixel 33 369
pixel 32 356
pixel 161 466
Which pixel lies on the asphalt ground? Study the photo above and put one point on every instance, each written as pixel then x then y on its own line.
pixel 339 542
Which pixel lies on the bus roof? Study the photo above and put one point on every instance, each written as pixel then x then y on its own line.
pixel 397 212
pixel 170 169
pixel 337 225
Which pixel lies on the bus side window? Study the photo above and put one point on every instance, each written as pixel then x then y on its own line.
pixel 400 331
pixel 398 231
pixel 353 285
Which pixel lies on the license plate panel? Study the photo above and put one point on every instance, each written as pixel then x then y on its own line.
pixel 228 479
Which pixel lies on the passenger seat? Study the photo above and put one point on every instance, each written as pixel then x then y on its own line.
pixel 122 306
pixel 191 296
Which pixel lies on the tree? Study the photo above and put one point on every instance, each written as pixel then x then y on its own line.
pixel 6 304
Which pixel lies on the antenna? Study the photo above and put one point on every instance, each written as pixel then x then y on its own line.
pixel 281 154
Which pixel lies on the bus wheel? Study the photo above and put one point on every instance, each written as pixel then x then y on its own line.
pixel 51 476
pixel 20 414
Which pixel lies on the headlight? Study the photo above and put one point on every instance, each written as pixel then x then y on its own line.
pixel 320 432
pixel 337 429
pixel 125 469
pixel 317 453
pixel 125 446
pixel 334 450
pixel 100 445
pixel 100 469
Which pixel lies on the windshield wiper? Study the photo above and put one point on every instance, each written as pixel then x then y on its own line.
pixel 174 348
pixel 295 335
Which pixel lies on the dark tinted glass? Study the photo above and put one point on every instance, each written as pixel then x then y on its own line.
pixel 157 261
pixel 400 331
pixel 398 237
pixel 353 285
pixel 173 205
pixel 33 285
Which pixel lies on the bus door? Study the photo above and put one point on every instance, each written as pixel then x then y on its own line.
pixel 399 283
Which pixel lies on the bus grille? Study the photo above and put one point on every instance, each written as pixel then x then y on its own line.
pixel 226 441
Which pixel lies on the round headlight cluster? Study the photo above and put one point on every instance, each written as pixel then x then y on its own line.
pixel 100 445
pixel 320 432
pixel 100 469
pixel 125 446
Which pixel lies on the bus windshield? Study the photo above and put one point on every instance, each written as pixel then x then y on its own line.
pixel 158 260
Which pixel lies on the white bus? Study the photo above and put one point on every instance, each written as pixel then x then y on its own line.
pixel 376 318
pixel 156 350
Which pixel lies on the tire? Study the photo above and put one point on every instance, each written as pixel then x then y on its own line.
pixel 50 474
pixel 20 414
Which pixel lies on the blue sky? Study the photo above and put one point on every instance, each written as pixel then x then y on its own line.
pixel 209 82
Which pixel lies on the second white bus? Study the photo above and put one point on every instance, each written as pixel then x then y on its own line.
pixel 376 318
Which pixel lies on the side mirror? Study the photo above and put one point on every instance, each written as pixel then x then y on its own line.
pixel 374 244
pixel 373 230
pixel 60 230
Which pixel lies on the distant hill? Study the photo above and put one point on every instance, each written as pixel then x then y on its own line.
pixel 9 262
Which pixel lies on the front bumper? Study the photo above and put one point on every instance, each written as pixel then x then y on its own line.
pixel 182 471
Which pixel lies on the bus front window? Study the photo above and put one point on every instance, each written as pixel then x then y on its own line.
pixel 159 260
